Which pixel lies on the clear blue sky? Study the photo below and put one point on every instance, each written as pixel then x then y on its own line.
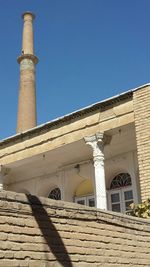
pixel 89 50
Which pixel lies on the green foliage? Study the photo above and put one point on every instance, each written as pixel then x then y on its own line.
pixel 141 210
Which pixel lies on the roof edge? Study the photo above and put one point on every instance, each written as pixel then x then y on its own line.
pixel 76 113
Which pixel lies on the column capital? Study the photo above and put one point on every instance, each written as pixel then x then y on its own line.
pixel 99 138
pixel 97 142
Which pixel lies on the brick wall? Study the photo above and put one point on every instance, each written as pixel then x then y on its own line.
pixel 141 101
pixel 38 232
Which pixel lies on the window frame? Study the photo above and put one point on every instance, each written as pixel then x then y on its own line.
pixel 85 199
pixel 122 199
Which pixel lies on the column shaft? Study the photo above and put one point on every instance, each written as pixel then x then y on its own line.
pixel 27 96
pixel 96 142
pixel 100 185
pixel 27 39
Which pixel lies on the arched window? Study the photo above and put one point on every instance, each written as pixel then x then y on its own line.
pixel 121 180
pixel 55 194
pixel 120 193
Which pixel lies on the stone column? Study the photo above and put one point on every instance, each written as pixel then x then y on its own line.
pixel 97 143
pixel 27 95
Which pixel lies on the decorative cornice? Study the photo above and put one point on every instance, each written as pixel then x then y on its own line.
pixel 28 56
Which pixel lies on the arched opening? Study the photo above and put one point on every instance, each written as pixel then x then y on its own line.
pixel 84 193
pixel 120 194
pixel 55 193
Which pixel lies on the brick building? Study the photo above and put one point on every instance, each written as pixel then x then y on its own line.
pixel 97 156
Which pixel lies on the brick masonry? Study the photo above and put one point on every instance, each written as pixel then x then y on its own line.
pixel 141 101
pixel 39 232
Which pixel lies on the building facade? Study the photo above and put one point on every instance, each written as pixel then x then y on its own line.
pixel 97 156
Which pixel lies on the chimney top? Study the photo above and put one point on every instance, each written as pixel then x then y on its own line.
pixel 28 13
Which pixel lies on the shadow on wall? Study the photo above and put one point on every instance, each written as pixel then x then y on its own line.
pixel 50 234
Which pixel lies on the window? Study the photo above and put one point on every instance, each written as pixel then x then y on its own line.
pixel 91 201
pixel 120 195
pixel 86 200
pixel 121 180
pixel 55 194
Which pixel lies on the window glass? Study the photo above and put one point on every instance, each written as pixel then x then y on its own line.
pixel 91 202
pixel 128 195
pixel 115 197
pixel 86 200
pixel 116 207
pixel 127 204
pixel 81 202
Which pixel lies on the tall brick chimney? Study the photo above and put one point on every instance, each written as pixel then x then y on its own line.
pixel 27 94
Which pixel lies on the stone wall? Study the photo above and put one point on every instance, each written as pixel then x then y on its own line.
pixel 38 232
pixel 141 100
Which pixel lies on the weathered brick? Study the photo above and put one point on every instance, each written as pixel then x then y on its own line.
pixel 108 239
pixel 141 100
